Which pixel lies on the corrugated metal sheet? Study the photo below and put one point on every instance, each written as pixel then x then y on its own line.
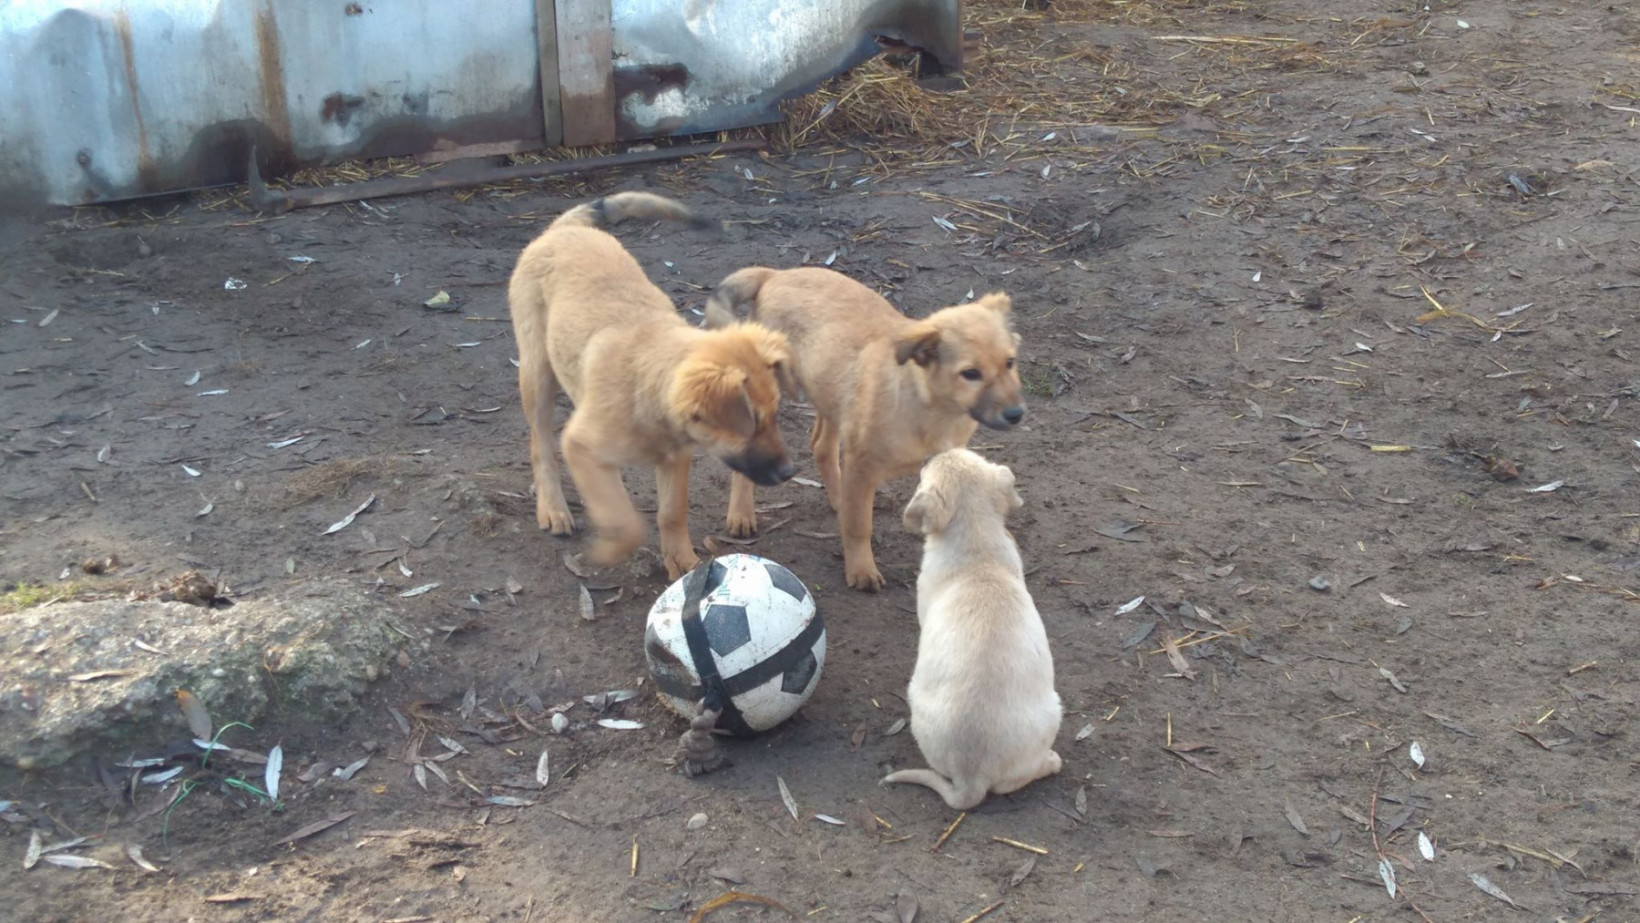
pixel 688 66
pixel 108 100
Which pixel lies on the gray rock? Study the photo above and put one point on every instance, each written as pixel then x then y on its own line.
pixel 304 653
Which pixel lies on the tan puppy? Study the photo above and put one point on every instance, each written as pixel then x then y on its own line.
pixel 888 391
pixel 648 388
pixel 983 707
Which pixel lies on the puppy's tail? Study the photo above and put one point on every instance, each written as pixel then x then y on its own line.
pixel 740 288
pixel 960 798
pixel 613 209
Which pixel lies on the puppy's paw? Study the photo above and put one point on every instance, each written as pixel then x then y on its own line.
pixel 1053 763
pixel 742 526
pixel 867 579
pixel 609 550
pixel 557 522
pixel 679 563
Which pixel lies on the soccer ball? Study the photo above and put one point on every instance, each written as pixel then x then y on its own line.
pixel 753 631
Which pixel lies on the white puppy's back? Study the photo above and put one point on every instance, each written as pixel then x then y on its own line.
pixel 983 707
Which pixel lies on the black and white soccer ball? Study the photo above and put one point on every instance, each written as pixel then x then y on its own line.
pixel 755 635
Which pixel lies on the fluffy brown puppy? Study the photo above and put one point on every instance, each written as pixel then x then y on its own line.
pixel 888 391
pixel 648 388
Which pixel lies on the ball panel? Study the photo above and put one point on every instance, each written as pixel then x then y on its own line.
pixel 797 676
pixel 786 581
pixel 727 628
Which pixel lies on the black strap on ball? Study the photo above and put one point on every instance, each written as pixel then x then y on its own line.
pixel 696 586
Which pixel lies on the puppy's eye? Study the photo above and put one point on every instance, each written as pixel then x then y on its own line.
pixel 1010 362
pixel 972 374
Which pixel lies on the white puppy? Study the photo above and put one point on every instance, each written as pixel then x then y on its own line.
pixel 983 707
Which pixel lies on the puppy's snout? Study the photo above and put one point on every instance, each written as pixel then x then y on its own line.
pixel 1006 418
pixel 763 470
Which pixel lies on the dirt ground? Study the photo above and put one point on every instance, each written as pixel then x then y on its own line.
pixel 1241 388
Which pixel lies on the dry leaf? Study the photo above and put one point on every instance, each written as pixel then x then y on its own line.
pixel 350 770
pixel 731 875
pixel 134 851
pixel 319 826
pixel 1192 761
pixel 786 797
pixel 542 775
pixel 828 819
pixel 270 776
pixel 588 610
pixel 35 850
pixel 1022 873
pixel 419 590
pixel 347 520
pixel 1425 847
pixel 77 862
pixel 1480 881
pixel 1085 732
pixel 895 728
pixel 1082 800
pixel 232 897
pixel 1296 819
pixel 1130 605
pixel 1386 871
pixel 1175 657
pixel 1393 601
pixel 98 674
pixel 1416 752
pixel 420 772
pixel 620 724
pixel 1393 681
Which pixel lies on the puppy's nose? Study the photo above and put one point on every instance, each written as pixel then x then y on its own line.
pixel 1014 414
pixel 785 470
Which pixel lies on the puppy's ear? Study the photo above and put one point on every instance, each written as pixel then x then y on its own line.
pixel 775 349
pixel 788 381
pixel 919 344
pixel 703 390
pixel 998 302
pixel 928 512
pixel 1005 485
